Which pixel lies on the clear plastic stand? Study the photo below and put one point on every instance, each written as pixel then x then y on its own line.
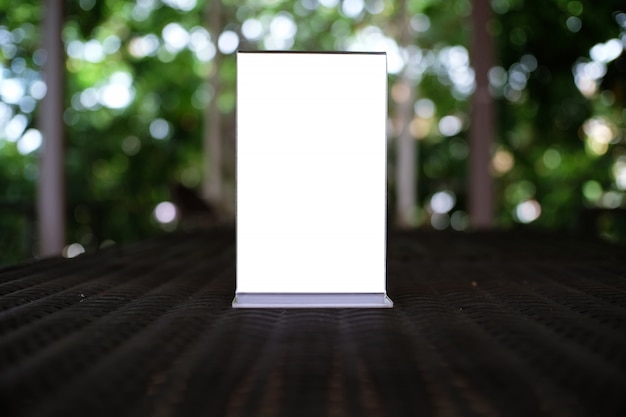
pixel 309 300
pixel 311 180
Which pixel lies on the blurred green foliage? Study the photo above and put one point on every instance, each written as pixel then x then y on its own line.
pixel 138 85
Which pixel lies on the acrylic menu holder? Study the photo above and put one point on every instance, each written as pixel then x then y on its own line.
pixel 311 180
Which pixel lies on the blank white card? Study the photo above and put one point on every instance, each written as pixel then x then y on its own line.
pixel 311 169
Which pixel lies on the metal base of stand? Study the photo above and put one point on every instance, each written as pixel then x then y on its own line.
pixel 318 300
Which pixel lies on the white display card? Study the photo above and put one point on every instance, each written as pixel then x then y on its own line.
pixel 311 179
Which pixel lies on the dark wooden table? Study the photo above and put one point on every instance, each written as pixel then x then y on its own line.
pixel 486 324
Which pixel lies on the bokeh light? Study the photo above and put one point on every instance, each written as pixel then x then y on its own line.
pixel 15 127
pixel 159 129
pixel 592 190
pixel 166 214
pixel 619 173
pixel 440 221
pixel 117 93
pixel 612 199
pixel 29 142
pixel 450 125
pixel 73 250
pixel 551 158
pixel 175 36
pixel 459 220
pixel 143 46
pixel 442 201
pixel 424 108
pixel 372 39
pixel 182 5
pixel 200 43
pixel 502 162
pixel 352 8
pixel 228 42
pixel 11 90
pixel 528 211
pixel 599 134
pixel 252 29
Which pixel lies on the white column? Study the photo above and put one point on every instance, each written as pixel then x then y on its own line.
pixel 481 195
pixel 212 183
pixel 51 187
pixel 406 162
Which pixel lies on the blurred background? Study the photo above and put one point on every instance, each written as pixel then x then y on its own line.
pixel 142 111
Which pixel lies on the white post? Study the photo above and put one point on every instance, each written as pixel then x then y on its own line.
pixel 311 187
pixel 406 162
pixel 51 187
pixel 481 199
pixel 212 140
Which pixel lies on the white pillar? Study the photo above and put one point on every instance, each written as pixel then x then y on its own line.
pixel 406 162
pixel 51 187
pixel 481 195
pixel 212 183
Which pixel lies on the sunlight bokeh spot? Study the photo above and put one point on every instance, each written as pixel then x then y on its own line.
pixel 73 250
pixel 11 90
pixel 200 43
pixel 87 4
pixel 592 190
pixel 38 89
pixel 89 98
pixel 529 62
pixel 159 129
pixel 420 22
pixel 440 221
pixel 552 158
pixel 111 44
pixel 375 6
pixel 502 161
pixel 574 24
pixel 283 26
pixel 607 51
pixel 27 104
pixel 29 142
pixel 143 46
pixel 329 3
pixel 252 29
pixel 93 51
pixel 424 108
pixel 6 112
pixel 131 145
pixel 118 92
pixel 419 127
pixel 459 220
pixel 175 37
pixel 497 77
pixel 450 125
pixel 612 199
pixel 183 5
pixel 352 8
pixel 528 211
pixel 228 42
pixel 442 201
pixel 75 49
pixel 13 130
pixel 165 212
pixel 619 172
pixel 371 39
